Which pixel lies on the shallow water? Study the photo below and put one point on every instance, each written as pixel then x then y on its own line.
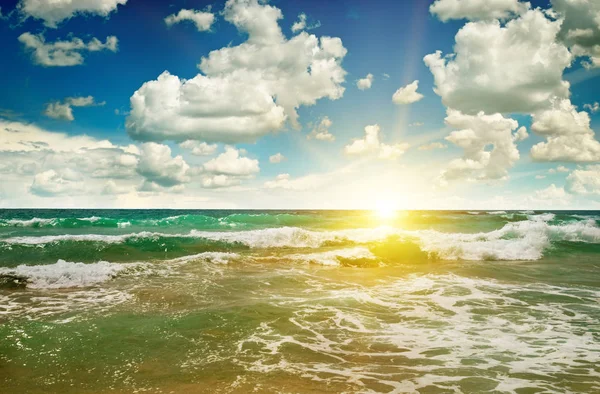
pixel 218 301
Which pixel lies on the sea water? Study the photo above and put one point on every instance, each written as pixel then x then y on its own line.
pixel 162 301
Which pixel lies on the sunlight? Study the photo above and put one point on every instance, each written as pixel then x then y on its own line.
pixel 385 210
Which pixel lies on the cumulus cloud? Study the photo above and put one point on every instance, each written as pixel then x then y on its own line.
pixel 568 134
pixel 321 131
pixel 551 196
pixel 199 148
pixel 158 167
pixel 244 91
pixel 63 53
pixel 584 181
pixel 432 146
pixel 488 143
pixel 370 145
pixel 276 158
pixel 64 111
pixel 231 162
pixel 477 9
pixel 580 28
pixel 366 82
pixel 53 12
pixel 228 169
pixel 485 75
pixel 407 94
pixel 50 183
pixel 202 20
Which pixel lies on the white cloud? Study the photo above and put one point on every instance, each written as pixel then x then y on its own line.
pixel 416 124
pixel 366 82
pixel 112 188
pixel 551 196
pixel 568 134
pixel 64 110
pixel 432 146
pixel 593 108
pixel 308 182
pixel 484 74
pixel 220 181
pixel 301 24
pixel 50 183
pixel 277 158
pixel 585 181
pixel 202 20
pixel 321 131
pixel 53 12
pixel 488 143
pixel 540 176
pixel 244 91
pixel 63 53
pixel 407 94
pixel 370 145
pixel 558 169
pixel 477 9
pixel 231 163
pixel 158 167
pixel 580 29
pixel 199 148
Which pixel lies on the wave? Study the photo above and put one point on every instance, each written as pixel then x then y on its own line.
pixel 65 274
pixel 190 220
pixel 523 240
pixel 358 256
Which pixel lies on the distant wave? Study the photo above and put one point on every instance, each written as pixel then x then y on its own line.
pixel 523 240
pixel 191 221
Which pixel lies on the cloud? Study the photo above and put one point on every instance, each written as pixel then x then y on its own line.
pixel 416 124
pixel 407 94
pixel 53 12
pixel 199 148
pixel 301 24
pixel 63 53
pixel 231 163
pixel 593 108
pixel 228 169
pixel 277 158
pixel 551 196
pixel 540 176
pixel 321 131
pixel 477 10
pixel 580 28
pixel 485 75
pixel 558 169
pixel 158 167
pixel 64 110
pixel 286 182
pixel 244 91
pixel 50 183
pixel 432 146
pixel 568 134
pixel 202 20
pixel 366 82
pixel 585 181
pixel 488 143
pixel 112 188
pixel 370 145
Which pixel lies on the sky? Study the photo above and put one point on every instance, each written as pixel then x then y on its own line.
pixel 247 104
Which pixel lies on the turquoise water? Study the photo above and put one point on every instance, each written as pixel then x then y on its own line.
pixel 299 301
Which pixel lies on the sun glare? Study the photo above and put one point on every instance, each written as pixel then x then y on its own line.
pixel 385 210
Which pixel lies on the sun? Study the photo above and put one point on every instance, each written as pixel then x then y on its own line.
pixel 385 210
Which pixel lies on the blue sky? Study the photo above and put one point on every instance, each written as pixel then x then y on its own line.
pixel 146 164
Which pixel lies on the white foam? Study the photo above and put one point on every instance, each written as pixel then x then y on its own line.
pixel 334 257
pixel 496 213
pixel 212 257
pixel 64 274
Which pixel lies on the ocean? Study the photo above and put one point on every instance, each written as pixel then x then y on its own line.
pixel 168 301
